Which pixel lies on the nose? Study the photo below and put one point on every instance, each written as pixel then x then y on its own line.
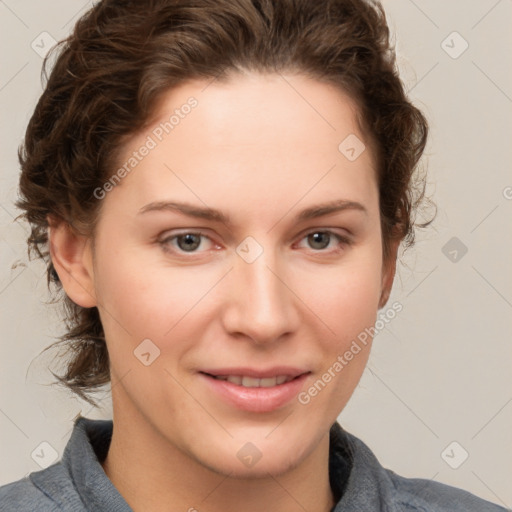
pixel 262 305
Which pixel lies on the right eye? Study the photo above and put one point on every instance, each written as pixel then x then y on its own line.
pixel 185 242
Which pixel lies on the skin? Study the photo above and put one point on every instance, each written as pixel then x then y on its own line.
pixel 256 150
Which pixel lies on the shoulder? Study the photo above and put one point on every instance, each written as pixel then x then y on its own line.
pixel 23 495
pixel 371 486
pixel 428 496
pixel 47 490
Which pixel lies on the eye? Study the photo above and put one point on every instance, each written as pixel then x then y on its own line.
pixel 193 242
pixel 320 240
pixel 185 242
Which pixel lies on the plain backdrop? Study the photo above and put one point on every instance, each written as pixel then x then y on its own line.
pixel 436 398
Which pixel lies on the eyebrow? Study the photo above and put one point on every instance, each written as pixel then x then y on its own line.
pixel 212 214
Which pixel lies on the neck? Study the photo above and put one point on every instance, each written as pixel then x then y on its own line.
pixel 151 473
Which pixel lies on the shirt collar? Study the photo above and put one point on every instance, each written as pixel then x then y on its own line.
pixel 84 451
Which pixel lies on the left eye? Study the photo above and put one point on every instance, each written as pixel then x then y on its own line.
pixel 186 242
pixel 320 240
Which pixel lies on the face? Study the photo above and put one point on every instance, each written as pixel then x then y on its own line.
pixel 241 243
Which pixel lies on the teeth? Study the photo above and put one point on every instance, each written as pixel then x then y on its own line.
pixel 267 382
pixel 235 379
pixel 251 382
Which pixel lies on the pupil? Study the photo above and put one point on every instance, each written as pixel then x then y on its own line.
pixel 190 243
pixel 316 238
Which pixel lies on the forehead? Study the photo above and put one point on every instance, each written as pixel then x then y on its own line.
pixel 253 137
pixel 248 110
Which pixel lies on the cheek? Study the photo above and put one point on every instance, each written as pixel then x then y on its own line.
pixel 347 303
pixel 140 299
pixel 345 296
pixel 345 299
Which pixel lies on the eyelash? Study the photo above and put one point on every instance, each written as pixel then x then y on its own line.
pixel 343 241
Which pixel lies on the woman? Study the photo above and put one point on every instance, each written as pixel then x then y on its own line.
pixel 220 188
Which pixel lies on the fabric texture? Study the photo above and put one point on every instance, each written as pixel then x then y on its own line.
pixel 77 483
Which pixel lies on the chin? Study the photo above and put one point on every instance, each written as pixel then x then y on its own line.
pixel 247 461
pixel 262 469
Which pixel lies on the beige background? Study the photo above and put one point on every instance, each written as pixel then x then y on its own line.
pixel 441 370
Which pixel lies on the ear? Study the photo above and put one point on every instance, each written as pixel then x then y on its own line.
pixel 72 258
pixel 388 273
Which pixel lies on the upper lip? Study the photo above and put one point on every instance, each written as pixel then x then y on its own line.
pixel 256 373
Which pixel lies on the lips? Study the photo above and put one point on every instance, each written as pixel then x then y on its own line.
pixel 253 389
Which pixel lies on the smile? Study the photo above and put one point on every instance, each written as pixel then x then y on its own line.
pixel 251 382
pixel 255 393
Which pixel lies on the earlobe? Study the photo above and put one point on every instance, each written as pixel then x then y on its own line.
pixel 72 258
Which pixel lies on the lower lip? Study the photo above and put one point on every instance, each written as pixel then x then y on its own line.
pixel 256 399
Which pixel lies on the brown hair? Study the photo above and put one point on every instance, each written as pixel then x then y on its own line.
pixel 123 54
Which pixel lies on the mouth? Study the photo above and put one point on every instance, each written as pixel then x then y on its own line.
pixel 253 382
pixel 253 390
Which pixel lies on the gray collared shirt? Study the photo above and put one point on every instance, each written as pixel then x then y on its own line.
pixel 77 483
